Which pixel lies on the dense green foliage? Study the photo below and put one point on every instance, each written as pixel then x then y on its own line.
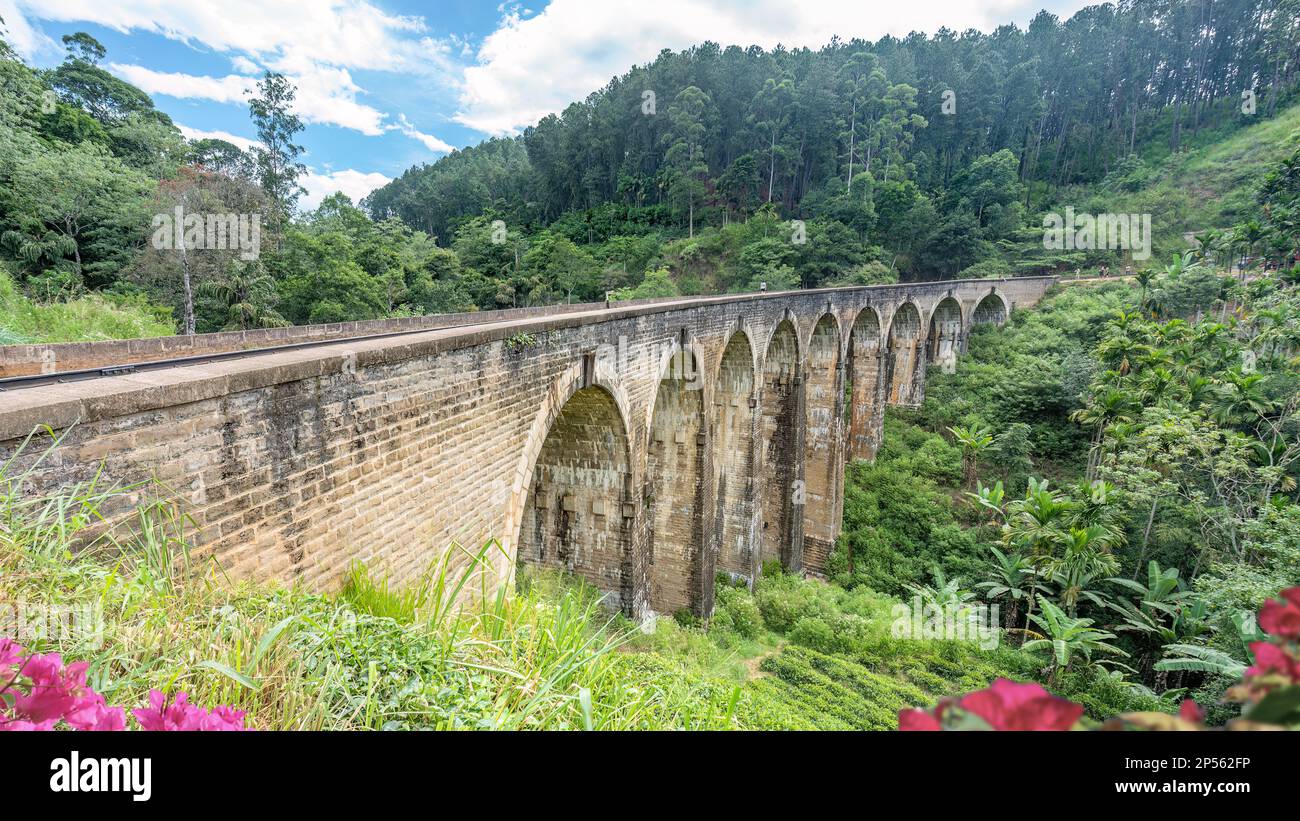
pixel 1133 498
pixel 920 158
pixel 792 654
pixel 940 149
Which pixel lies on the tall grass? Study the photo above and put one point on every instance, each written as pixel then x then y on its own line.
pixel 87 318
pixel 451 649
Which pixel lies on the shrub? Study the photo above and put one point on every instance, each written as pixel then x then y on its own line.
pixel 735 609
pixel 783 600
pixel 815 633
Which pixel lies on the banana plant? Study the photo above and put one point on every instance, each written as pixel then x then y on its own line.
pixel 1013 578
pixel 1065 639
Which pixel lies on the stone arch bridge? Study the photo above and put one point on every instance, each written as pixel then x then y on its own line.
pixel 645 446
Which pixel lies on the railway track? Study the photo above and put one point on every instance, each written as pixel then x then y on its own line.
pixel 16 383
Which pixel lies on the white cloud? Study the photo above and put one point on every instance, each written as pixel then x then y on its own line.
pixel 244 65
pixel 350 33
pixel 27 41
pixel 356 184
pixel 316 44
pixel 229 89
pixel 324 95
pixel 529 68
pixel 431 142
pixel 244 143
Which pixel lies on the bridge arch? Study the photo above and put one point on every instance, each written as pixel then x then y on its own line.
pixel 680 569
pixel 866 384
pixel 735 405
pixel 992 309
pixel 571 490
pixel 902 354
pixel 781 432
pixel 946 334
pixel 824 401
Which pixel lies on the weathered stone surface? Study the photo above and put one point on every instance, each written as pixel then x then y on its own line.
pixel 645 447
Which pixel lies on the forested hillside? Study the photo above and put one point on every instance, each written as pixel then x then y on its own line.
pixel 928 154
pixel 707 170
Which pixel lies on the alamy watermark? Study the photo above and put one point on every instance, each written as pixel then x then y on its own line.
pixel 1091 232
pixel 57 624
pixel 626 358
pixel 208 232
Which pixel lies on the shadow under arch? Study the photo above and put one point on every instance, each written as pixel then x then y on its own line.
pixel 823 404
pixel 735 406
pixel 903 354
pixel 943 341
pixel 864 371
pixel 993 309
pixel 781 441
pixel 680 569
pixel 570 495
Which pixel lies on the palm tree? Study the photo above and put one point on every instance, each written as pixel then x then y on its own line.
pixel 1156 386
pixel 1084 559
pixel 1066 638
pixel 1249 233
pixel 1163 614
pixel 1120 349
pixel 1108 406
pixel 1242 399
pixel 1144 279
pixel 944 592
pixel 247 295
pixel 1035 523
pixel 1013 578
pixel 1207 244
pixel 974 441
pixel 990 499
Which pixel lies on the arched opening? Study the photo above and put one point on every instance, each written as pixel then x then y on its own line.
pixel 781 439
pixel 901 364
pixel 573 517
pixel 990 310
pixel 680 570
pixel 866 403
pixel 943 342
pixel 733 460
pixel 824 401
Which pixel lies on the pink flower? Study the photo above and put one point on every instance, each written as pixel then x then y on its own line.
pixel 1189 710
pixel 1270 658
pixel 55 689
pixel 91 713
pixel 18 725
pixel 1006 705
pixel 10 654
pixel 1282 617
pixel 160 716
pixel 181 716
pixel 224 719
pixel 914 720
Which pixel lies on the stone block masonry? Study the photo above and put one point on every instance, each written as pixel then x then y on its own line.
pixel 645 446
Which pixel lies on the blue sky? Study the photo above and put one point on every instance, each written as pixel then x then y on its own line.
pixel 384 85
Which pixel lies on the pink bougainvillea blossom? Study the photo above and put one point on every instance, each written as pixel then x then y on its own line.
pixel 180 715
pixel 917 720
pixel 1189 710
pixel 1007 705
pixel 40 692
pixel 1281 617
